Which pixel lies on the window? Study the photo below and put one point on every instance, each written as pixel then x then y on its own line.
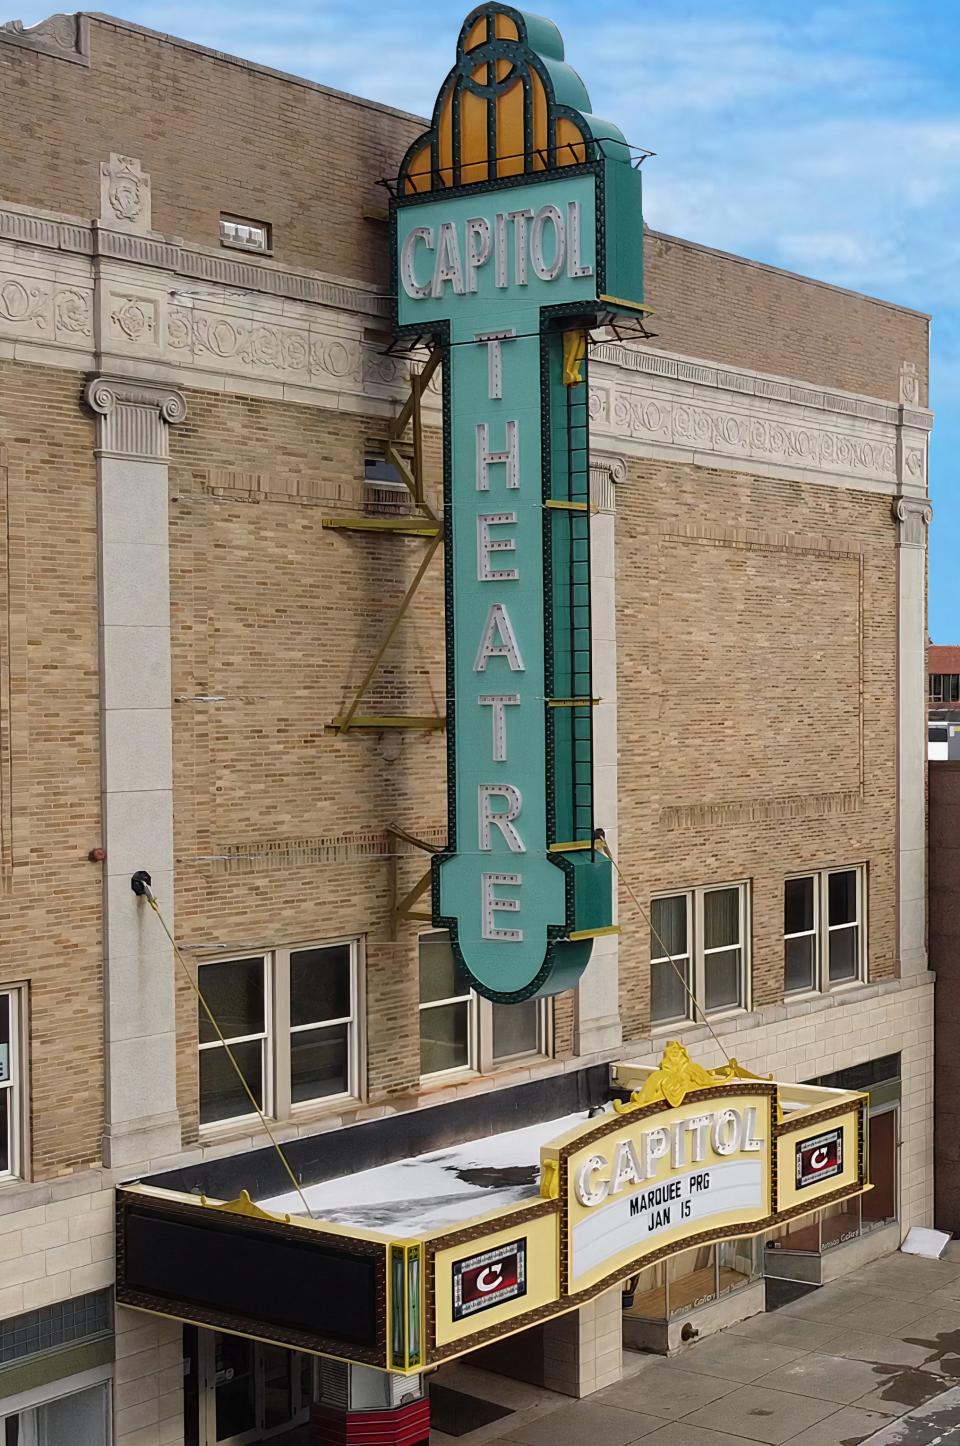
pixel 290 1019
pixel 823 940
pixel 446 1010
pixel 698 944
pixel 11 1077
pixel 690 1280
pixel 384 491
pixel 81 1416
pixel 459 1030
pixel 246 234
pixel 945 687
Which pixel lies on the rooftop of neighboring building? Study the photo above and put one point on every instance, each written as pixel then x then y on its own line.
pixel 943 658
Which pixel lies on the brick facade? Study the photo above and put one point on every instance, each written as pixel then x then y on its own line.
pixel 758 594
pixel 50 898
pixel 756 695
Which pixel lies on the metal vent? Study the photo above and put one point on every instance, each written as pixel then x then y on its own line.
pixel 335 1383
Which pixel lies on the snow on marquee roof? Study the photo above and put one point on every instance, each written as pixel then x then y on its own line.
pixel 437 1190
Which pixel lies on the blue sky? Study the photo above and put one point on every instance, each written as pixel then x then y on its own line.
pixel 824 138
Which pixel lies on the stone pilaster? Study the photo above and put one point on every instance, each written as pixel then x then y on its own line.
pixel 136 762
pixel 597 1011
pixel 583 1350
pixel 912 513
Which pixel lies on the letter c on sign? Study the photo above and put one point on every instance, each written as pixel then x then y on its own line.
pixel 489 1277
pixel 818 1158
pixel 407 273
pixel 587 1193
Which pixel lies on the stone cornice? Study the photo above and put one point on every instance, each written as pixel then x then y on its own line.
pixel 97 299
pixel 194 263
pixel 652 362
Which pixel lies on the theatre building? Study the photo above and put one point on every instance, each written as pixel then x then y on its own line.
pixel 462 750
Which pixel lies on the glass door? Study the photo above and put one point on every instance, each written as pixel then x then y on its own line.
pixel 250 1390
pixel 231 1395
pixel 276 1383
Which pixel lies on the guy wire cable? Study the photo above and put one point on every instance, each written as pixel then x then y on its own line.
pixel 605 848
pixel 148 894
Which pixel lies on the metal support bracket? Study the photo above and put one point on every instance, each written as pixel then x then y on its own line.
pixel 426 525
pixel 401 907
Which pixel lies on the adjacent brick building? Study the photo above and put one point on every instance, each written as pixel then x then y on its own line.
pixel 193 382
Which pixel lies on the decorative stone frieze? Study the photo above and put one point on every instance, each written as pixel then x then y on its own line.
pixel 669 407
pixel 231 330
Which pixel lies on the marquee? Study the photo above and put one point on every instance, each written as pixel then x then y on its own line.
pixel 693 1156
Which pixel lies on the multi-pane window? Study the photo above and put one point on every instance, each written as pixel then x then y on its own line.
pixel 446 1009
pixel 289 1018
pixel 698 952
pixel 823 937
pixel 11 1103
pixel 670 940
pixel 460 1031
pixel 945 687
pixel 248 235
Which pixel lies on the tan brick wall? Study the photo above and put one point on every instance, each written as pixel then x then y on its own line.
pixel 214 136
pixel 757 700
pixel 756 706
pixel 280 616
pixel 238 139
pixel 727 308
pixel 49 755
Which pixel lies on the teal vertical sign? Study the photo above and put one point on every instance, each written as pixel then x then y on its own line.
pixel 506 239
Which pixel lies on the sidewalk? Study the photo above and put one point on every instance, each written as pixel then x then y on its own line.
pixel 862 1360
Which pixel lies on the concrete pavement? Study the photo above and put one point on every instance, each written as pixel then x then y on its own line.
pixel 873 1358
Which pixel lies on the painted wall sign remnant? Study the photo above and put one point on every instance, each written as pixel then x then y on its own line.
pixel 517 225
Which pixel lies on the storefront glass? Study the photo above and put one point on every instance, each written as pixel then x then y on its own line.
pixel 692 1279
pixel 837 1224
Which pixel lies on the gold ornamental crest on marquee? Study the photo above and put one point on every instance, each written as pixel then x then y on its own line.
pixel 678 1074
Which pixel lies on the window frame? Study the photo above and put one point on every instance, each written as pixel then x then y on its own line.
pixel 284 1029
pixel 234 243
pixel 688 897
pixel 823 984
pixel 480 1057
pixel 816 932
pixel 277 1083
pixel 17 1147
pixel 697 954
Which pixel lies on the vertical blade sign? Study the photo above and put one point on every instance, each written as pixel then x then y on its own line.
pixel 516 225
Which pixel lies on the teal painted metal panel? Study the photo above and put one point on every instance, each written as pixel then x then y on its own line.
pixel 495 272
